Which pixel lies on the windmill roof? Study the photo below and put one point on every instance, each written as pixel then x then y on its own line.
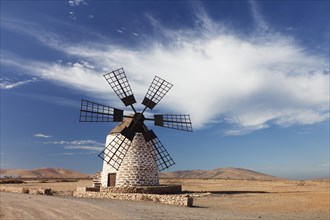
pixel 125 123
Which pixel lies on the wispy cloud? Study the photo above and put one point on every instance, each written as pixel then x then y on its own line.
pixel 40 135
pixel 74 3
pixel 61 101
pixel 71 153
pixel 76 142
pixel 79 146
pixel 120 31
pixel 253 82
pixel 90 148
pixel 258 18
pixel 6 84
pixel 72 15
pixel 30 28
pixel 242 130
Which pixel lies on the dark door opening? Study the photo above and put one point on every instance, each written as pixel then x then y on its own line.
pixel 111 179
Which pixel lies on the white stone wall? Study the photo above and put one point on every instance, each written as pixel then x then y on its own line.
pixel 138 167
pixel 106 167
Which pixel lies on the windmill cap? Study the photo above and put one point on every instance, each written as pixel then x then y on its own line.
pixel 125 123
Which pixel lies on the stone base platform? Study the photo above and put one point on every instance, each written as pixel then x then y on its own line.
pixel 160 189
pixel 161 194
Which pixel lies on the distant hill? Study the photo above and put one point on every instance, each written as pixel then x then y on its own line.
pixel 219 173
pixel 325 179
pixel 42 173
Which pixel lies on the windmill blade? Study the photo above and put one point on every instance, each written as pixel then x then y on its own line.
pixel 118 81
pixel 94 112
pixel 179 122
pixel 157 90
pixel 116 150
pixel 163 159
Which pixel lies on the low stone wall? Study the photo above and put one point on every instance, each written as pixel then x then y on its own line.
pixel 40 191
pixel 14 189
pixel 34 191
pixel 182 199
pixel 161 189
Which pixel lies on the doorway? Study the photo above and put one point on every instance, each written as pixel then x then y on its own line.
pixel 111 179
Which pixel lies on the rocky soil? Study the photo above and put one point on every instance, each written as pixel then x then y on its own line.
pixel 227 199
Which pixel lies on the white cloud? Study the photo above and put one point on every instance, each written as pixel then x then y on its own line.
pixel 6 84
pixel 79 147
pixel 89 148
pixel 74 3
pixel 253 81
pixel 42 135
pixel 242 130
pixel 72 153
pixel 76 142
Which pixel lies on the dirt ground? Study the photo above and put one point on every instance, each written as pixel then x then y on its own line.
pixel 226 199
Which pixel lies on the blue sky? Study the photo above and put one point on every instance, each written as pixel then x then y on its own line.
pixel 253 75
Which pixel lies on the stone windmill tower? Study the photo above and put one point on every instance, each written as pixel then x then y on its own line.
pixel 133 154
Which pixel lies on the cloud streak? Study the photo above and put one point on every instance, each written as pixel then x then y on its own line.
pixel 76 142
pixel 74 3
pixel 258 18
pixel 6 84
pixel 251 82
pixel 39 135
pixel 87 146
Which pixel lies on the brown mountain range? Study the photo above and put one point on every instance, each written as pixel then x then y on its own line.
pixel 42 173
pixel 219 173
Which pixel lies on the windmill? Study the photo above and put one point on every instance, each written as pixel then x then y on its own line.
pixel 133 154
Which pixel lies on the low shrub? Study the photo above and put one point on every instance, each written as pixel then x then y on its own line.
pixel 11 181
pixel 67 180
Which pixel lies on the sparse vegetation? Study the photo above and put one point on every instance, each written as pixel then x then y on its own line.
pixel 11 181
pixel 66 180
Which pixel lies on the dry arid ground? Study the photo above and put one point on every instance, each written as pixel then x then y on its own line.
pixel 228 199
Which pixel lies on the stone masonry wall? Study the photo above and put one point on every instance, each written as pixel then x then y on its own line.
pixel 139 166
pixel 182 199
pixel 160 189
pixel 34 191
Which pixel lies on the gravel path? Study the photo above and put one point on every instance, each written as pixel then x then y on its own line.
pixel 309 205
pixel 24 206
